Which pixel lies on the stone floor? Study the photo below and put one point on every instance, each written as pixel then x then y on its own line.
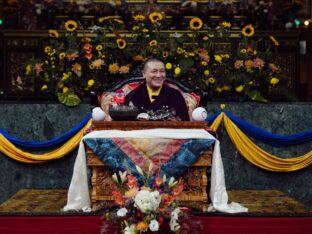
pixel 51 201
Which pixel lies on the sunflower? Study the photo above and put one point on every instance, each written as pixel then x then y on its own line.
pixel 248 31
pixel 155 17
pixel 196 23
pixel 99 47
pixel 71 25
pixel 62 55
pixel 113 68
pixel 139 17
pixel 165 54
pixel 180 50
pixel 211 80
pixel 54 33
pixel 153 43
pixel 121 43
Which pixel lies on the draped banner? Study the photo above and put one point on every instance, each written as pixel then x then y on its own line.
pixel 238 130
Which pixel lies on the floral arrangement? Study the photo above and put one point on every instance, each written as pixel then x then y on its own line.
pixel 76 61
pixel 147 207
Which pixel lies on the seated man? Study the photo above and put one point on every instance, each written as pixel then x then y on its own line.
pixel 154 95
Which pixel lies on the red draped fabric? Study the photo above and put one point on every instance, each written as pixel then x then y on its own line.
pixel 211 225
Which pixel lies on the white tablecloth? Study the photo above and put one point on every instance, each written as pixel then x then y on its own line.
pixel 78 193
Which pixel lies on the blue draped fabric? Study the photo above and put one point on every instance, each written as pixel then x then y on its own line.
pixel 176 166
pixel 269 138
pixel 211 118
pixel 34 145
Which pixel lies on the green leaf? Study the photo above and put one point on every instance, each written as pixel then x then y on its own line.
pixel 256 96
pixel 69 99
pixel 186 64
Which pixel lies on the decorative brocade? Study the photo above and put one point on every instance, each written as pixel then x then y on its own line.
pixel 176 156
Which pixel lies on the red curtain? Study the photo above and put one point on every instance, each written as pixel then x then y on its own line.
pixel 210 225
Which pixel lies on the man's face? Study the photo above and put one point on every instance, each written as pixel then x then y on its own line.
pixel 155 74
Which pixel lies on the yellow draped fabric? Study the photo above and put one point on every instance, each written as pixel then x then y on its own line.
pixel 10 150
pixel 259 157
pixel 216 123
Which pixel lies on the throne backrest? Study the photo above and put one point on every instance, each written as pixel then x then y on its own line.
pixel 117 93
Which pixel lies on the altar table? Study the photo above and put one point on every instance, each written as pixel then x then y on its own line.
pixel 79 196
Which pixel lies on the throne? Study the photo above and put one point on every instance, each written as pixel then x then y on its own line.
pixel 196 179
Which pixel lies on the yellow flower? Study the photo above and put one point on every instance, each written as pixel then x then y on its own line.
pixel 177 71
pixel 165 54
pixel 65 76
pixel 218 58
pixel 243 51
pixel 196 23
pixel 168 66
pixel 204 63
pixel 121 43
pixel 255 52
pixel 90 82
pixel 276 43
pixel 142 226
pixel 99 47
pixel 98 63
pixel 54 33
pixel 124 69
pixel 226 24
pixel 248 31
pixel 113 68
pixel 154 17
pixel 274 81
pixel 62 55
pixel 206 38
pixel 71 25
pixel 153 43
pixel 135 28
pixel 211 80
pixel 206 72
pixel 138 57
pixel 219 89
pixel 139 17
pixel 226 88
pixel 28 69
pixel 222 106
pixel 179 50
pixel 65 89
pixel 47 49
pixel 44 87
pixel 91 66
pixel 239 88
pixel 145 30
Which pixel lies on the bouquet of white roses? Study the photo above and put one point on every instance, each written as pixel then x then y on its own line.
pixel 147 207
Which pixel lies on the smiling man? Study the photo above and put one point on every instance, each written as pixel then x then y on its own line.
pixel 154 94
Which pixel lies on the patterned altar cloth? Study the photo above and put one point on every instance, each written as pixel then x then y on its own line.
pixel 172 151
pixel 170 157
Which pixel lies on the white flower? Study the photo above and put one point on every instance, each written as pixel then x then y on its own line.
pixel 174 225
pixel 139 169
pixel 123 176
pixel 154 225
pixel 130 230
pixel 147 201
pixel 114 176
pixel 172 182
pixel 175 213
pixel 122 212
